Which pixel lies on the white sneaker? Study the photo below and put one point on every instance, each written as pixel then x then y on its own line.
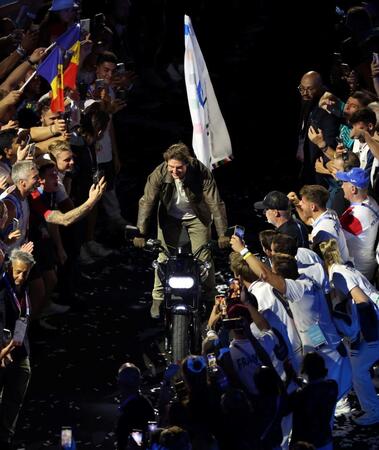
pixel 54 308
pixel 85 258
pixel 367 419
pixel 342 407
pixel 96 249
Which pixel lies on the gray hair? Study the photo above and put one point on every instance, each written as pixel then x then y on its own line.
pixel 21 170
pixel 20 255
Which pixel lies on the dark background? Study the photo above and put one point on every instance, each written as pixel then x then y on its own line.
pixel 256 53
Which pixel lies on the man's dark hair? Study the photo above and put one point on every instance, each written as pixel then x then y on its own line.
pixel 315 194
pixel 266 237
pixel 174 438
pixel 350 160
pixel 365 115
pixel 6 139
pixel 44 106
pixel 364 97
pixel 285 265
pixel 106 56
pixel 178 151
pixel 44 167
pixel 314 366
pixel 94 118
pixel 283 243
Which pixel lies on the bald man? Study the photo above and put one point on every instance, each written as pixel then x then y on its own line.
pixel 311 89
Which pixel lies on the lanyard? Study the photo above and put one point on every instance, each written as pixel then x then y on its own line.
pixel 14 296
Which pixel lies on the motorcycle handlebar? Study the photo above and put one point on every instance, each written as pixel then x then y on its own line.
pixel 156 245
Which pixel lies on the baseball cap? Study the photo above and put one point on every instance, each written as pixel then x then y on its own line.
pixel 59 5
pixel 273 200
pixel 356 176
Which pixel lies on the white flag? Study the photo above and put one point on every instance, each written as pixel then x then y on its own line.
pixel 210 140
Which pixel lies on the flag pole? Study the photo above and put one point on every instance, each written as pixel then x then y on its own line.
pixel 34 73
pixel 49 47
pixel 27 81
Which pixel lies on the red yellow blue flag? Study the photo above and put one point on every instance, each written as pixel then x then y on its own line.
pixel 70 41
pixel 52 70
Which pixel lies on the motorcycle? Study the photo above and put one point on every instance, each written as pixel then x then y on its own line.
pixel 181 275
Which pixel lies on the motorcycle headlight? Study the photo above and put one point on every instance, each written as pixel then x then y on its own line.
pixel 176 282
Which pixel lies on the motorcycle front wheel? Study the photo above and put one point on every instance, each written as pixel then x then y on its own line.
pixel 180 336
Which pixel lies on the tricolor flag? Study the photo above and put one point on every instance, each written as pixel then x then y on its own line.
pixel 210 139
pixel 52 70
pixel 70 41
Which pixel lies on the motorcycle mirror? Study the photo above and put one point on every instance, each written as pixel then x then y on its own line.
pixel 131 232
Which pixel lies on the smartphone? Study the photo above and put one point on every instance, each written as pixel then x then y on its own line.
pixel 233 324
pixel 15 224
pixel 32 150
pixel 97 176
pixel 120 68
pixel 66 437
pixel 99 20
pixel 67 440
pixel 151 426
pixel 239 231
pixel 85 25
pixel 314 124
pixel 7 336
pixel 137 437
pixel 212 361
pixel 100 84
pixel 375 58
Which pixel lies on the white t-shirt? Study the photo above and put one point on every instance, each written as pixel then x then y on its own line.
pixel 274 322
pixel 360 225
pixel 306 256
pixel 103 146
pixel 246 361
pixel 327 226
pixel 309 307
pixel 317 273
pixel 362 150
pixel 268 301
pixel 180 206
pixel 345 278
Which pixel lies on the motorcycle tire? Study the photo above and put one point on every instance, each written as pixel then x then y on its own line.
pixel 180 337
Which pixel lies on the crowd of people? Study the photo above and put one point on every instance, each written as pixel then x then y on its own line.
pixel 297 330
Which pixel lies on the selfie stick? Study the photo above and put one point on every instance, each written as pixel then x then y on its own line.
pixel 34 73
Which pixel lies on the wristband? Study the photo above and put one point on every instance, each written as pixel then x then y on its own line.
pixel 244 251
pixel 31 63
pixel 246 255
pixel 324 148
pixel 21 51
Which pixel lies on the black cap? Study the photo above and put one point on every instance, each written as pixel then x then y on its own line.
pixel 274 200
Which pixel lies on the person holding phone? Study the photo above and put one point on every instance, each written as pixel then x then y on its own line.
pixel 135 409
pixel 15 312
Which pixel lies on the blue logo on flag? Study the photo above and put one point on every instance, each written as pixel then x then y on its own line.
pixel 200 94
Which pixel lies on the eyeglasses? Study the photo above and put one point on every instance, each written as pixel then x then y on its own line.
pixel 303 89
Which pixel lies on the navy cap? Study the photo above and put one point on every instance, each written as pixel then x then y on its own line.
pixel 274 200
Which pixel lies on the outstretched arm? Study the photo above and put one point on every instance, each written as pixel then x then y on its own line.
pixel 258 267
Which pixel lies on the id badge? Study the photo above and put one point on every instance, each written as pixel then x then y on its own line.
pixel 315 336
pixel 19 331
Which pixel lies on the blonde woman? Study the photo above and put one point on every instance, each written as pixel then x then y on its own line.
pixel 358 299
